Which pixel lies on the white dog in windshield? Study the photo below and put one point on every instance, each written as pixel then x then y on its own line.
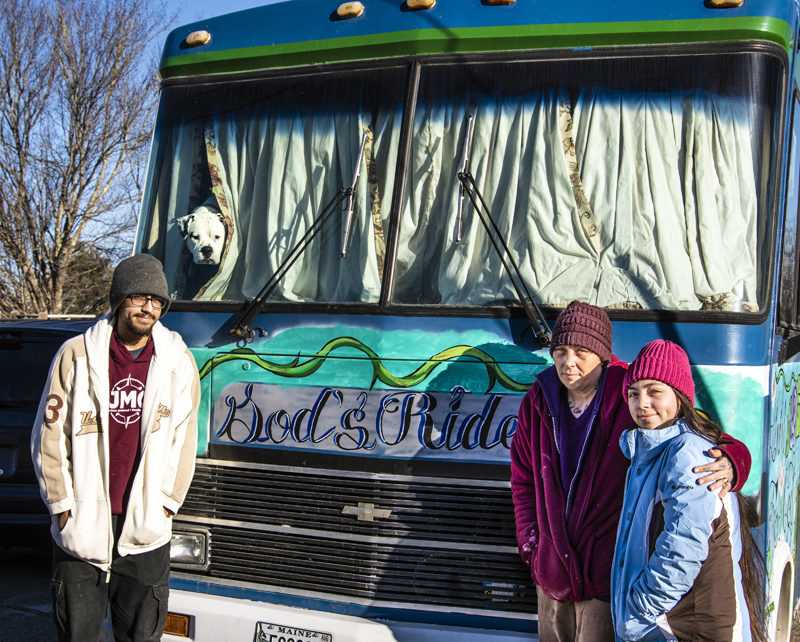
pixel 204 231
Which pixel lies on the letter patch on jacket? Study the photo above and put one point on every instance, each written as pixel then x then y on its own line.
pixel 52 411
pixel 162 411
pixel 89 423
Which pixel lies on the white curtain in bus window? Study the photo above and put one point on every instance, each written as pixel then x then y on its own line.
pixel 276 167
pixel 178 150
pixel 669 180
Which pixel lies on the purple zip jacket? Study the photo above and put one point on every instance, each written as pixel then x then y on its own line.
pixel 570 556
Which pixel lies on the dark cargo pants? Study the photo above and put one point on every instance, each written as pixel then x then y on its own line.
pixel 137 593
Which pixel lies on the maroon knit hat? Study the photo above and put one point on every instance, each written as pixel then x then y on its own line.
pixel 584 325
pixel 663 361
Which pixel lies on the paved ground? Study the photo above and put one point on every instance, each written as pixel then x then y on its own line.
pixel 25 609
pixel 796 627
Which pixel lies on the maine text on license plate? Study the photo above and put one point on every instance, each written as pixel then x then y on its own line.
pixel 266 632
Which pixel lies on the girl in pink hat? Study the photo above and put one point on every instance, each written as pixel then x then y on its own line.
pixel 685 564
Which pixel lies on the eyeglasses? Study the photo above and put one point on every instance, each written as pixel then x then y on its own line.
pixel 140 300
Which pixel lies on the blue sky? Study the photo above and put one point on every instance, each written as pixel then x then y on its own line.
pixel 192 10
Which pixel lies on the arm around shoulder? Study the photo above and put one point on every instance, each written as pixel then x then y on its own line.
pixel 740 458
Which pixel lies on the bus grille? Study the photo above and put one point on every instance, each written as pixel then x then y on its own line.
pixel 380 540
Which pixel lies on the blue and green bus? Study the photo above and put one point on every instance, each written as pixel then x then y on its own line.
pixel 371 212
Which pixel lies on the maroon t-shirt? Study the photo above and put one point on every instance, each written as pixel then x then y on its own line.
pixel 127 377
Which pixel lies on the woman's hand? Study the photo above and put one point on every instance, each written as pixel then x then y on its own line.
pixel 721 473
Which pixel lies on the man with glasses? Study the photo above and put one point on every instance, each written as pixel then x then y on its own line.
pixel 113 446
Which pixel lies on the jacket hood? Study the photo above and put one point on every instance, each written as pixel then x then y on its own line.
pixel 649 443
pixel 168 351
pixel 167 345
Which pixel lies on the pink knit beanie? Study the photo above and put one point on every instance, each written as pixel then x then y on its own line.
pixel 663 361
pixel 584 325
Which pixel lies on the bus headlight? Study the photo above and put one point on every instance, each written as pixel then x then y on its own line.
pixel 189 548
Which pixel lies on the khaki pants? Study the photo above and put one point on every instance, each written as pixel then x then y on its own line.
pixel 588 621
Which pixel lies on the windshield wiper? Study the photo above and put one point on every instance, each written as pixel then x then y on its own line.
pixel 464 167
pixel 351 199
pixel 468 187
pixel 243 329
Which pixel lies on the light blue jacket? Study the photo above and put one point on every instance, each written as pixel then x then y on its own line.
pixel 647 584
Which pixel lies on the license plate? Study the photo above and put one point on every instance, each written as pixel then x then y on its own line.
pixel 266 632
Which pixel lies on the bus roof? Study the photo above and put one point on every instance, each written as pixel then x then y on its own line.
pixel 308 32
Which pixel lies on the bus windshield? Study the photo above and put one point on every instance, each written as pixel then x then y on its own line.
pixel 636 183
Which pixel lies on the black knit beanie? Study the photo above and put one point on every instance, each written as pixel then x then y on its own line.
pixel 584 325
pixel 138 274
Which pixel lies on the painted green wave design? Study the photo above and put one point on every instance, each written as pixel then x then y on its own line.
pixel 296 369
pixel 790 422
pixel 787 385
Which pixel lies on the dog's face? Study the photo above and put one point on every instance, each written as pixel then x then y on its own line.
pixel 204 231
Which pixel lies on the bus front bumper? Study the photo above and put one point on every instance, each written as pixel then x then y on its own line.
pixel 221 619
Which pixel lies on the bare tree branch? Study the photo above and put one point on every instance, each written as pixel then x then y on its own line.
pixel 77 96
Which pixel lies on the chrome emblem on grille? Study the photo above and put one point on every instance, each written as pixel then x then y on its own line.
pixel 365 512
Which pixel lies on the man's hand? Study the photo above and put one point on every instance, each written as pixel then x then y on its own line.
pixel 62 520
pixel 721 470
pixel 167 512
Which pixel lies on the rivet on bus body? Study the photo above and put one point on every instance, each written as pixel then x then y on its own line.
pixel 350 10
pixel 724 4
pixel 421 4
pixel 246 366
pixel 197 38
pixel 501 1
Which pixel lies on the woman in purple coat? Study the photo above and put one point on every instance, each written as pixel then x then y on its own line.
pixel 568 476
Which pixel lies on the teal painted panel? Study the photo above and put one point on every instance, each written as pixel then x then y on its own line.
pixel 737 403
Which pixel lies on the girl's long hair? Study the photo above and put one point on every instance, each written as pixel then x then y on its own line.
pixel 752 561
